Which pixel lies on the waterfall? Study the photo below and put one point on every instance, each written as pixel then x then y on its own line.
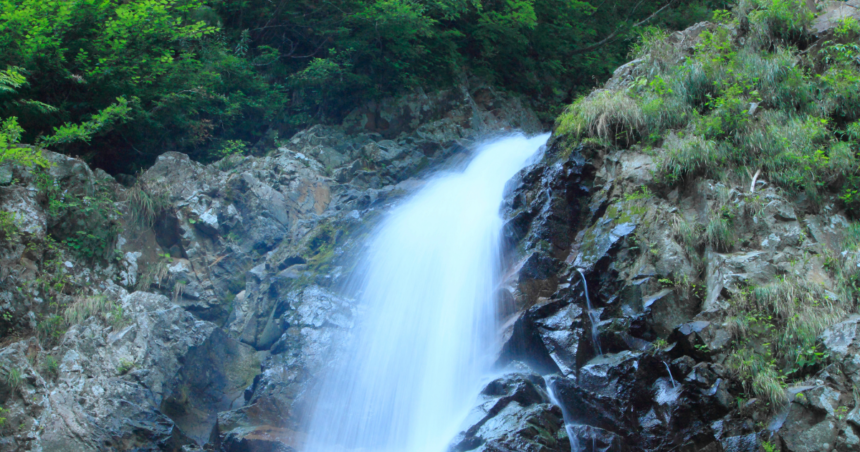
pixel 593 315
pixel 414 368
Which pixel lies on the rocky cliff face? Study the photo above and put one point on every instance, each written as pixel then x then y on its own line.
pixel 194 306
pixel 652 309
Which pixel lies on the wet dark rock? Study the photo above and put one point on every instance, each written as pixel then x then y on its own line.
pixel 593 439
pixel 514 413
pixel 808 430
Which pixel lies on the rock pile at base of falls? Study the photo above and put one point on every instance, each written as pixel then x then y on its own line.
pixel 210 322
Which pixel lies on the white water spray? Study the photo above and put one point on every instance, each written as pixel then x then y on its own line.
pixel 415 367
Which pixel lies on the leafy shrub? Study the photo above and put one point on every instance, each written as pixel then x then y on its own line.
pixel 51 328
pixel 98 123
pixel 229 148
pixel 848 27
pixel 10 131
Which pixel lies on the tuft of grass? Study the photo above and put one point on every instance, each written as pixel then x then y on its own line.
pixel 778 78
pixel 13 378
pixel 769 387
pixel 50 366
pixel 845 265
pixel 156 273
pixel 851 237
pixel 759 376
pixel 609 115
pixel 688 232
pixel 718 234
pixel 687 156
pixel 838 85
pixel 145 204
pixel 125 365
pixel 655 53
pixel 776 327
pixel 98 306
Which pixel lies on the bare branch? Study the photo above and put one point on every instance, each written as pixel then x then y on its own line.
pixel 754 179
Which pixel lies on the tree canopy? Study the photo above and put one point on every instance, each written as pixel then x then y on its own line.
pixel 119 82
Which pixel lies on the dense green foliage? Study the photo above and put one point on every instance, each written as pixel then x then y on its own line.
pixel 120 82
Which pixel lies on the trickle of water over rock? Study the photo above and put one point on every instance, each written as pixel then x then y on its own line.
pixel 593 315
pixel 568 424
pixel 670 373
pixel 427 282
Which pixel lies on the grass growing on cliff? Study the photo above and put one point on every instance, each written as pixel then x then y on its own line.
pixel 145 204
pixel 13 378
pixel 756 103
pixel 776 327
pixel 98 305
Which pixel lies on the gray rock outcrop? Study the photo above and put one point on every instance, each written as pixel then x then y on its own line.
pixel 204 305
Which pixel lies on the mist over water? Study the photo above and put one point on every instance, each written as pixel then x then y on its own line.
pixel 414 368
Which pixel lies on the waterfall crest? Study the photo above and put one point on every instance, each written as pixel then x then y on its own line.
pixel 427 282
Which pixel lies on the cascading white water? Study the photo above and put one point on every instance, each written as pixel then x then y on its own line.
pixel 414 369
